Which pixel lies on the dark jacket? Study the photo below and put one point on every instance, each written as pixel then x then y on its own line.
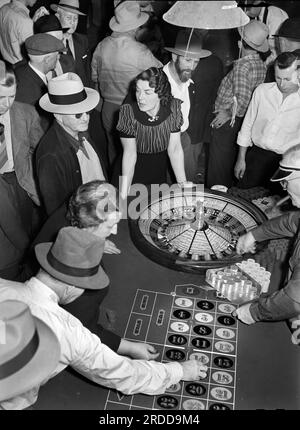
pixel 285 303
pixel 26 132
pixel 30 88
pixel 207 78
pixel 57 166
pixel 82 64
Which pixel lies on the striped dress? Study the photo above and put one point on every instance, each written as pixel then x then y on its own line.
pixel 152 138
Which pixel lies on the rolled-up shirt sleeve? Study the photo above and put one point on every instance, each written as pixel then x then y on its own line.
pixel 244 136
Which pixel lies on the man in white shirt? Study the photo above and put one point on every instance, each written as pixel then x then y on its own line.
pixel 69 342
pixel 16 25
pixel 271 125
pixel 185 57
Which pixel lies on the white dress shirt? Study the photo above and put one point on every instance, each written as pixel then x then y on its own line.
pixel 271 123
pixel 9 165
pixel 83 351
pixel 180 92
pixel 275 18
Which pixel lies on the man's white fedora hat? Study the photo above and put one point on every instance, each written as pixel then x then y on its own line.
pixel 29 350
pixel 67 95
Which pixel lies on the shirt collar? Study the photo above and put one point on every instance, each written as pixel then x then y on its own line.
pixel 39 73
pixel 252 55
pixel 21 6
pixel 44 290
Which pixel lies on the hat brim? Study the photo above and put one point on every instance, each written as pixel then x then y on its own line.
pixel 287 36
pixel 121 28
pixel 261 48
pixel 68 9
pixel 94 282
pixel 201 54
pixel 281 174
pixel 86 105
pixel 38 369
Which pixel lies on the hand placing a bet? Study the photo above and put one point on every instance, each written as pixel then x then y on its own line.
pixel 243 314
pixel 137 350
pixel 193 370
pixel 246 243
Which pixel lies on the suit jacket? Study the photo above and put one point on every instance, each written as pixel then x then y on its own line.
pixel 207 78
pixel 30 88
pixel 82 59
pixel 58 169
pixel 26 132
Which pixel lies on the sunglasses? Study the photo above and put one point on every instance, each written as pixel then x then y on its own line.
pixel 79 115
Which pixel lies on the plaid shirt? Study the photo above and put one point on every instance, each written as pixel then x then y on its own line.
pixel 247 73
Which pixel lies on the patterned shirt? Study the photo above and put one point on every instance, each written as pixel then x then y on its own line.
pixel 247 73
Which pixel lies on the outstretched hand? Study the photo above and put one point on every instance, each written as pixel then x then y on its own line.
pixel 137 350
pixel 193 370
pixel 246 243
pixel 243 314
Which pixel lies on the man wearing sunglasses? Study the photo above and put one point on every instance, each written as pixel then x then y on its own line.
pixel 285 303
pixel 66 156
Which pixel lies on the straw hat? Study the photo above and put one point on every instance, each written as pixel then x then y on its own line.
pixel 68 5
pixel 30 351
pixel 255 34
pixel 67 95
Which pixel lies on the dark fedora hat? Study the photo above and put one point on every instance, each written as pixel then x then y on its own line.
pixel 74 258
pixel 290 29
pixel 48 23
pixel 189 46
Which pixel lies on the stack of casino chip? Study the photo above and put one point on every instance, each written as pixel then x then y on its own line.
pixel 239 283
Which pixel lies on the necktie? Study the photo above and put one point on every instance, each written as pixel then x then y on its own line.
pixel 82 147
pixel 67 60
pixel 3 149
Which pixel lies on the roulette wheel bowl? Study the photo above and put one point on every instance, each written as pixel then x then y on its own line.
pixel 193 229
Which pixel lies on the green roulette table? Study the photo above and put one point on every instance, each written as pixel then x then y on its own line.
pixel 265 366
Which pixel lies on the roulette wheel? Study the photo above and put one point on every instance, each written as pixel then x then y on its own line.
pixel 188 229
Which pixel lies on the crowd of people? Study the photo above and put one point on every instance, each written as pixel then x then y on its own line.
pixel 80 124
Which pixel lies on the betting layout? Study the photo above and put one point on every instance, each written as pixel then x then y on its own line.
pixel 168 230
pixel 191 322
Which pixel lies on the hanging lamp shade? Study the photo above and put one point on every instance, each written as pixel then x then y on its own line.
pixel 210 15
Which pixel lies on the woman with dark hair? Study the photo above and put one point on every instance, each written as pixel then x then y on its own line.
pixel 149 126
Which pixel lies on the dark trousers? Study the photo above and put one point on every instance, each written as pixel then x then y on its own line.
pixel 260 166
pixel 222 154
pixel 18 224
pixel 86 309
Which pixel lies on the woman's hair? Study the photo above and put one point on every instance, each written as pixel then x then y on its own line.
pixel 159 81
pixel 7 76
pixel 90 205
